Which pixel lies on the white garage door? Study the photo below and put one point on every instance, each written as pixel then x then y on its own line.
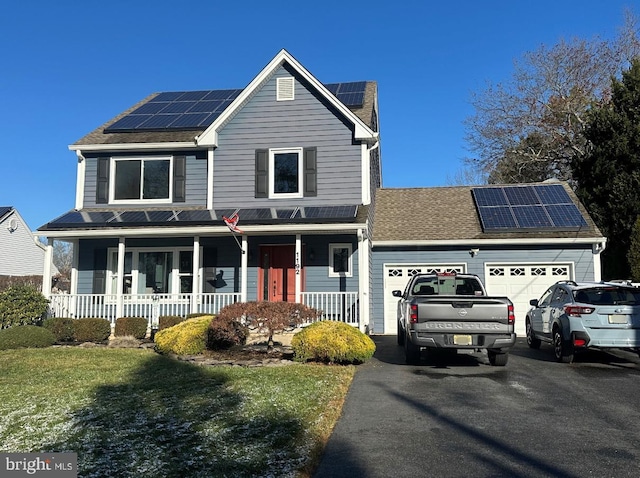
pixel 396 277
pixel 523 282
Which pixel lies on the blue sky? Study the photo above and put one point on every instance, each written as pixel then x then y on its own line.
pixel 69 66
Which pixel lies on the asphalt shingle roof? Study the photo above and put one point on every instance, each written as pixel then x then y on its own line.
pixel 449 213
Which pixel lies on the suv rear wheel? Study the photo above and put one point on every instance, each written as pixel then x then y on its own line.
pixel 532 341
pixel 561 348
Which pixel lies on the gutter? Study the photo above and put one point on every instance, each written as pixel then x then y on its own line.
pixel 497 242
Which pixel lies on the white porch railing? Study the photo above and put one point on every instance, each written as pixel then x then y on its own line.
pixel 339 306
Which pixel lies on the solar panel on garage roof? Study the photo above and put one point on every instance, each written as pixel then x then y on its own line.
pixel 546 206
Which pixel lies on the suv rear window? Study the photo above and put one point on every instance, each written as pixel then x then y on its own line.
pixel 608 296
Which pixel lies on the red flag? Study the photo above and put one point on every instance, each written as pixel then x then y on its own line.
pixel 232 223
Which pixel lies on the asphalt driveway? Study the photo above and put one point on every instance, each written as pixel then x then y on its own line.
pixel 534 417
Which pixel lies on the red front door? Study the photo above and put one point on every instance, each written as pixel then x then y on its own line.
pixel 277 275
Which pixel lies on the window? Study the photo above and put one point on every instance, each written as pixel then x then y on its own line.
pixel 285 179
pixel 340 262
pixel 141 179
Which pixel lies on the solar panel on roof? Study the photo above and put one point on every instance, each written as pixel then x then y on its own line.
pixel 547 206
pixel 178 107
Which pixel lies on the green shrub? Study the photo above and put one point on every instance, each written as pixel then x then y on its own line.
pixel 225 332
pixel 21 305
pixel 166 321
pixel 132 326
pixel 186 338
pixel 333 342
pixel 60 327
pixel 21 336
pixel 91 330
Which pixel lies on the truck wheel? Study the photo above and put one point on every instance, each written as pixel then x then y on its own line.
pixel 561 348
pixel 400 335
pixel 532 341
pixel 497 359
pixel 411 352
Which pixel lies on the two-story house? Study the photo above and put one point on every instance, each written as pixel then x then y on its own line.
pixel 290 162
pixel 294 166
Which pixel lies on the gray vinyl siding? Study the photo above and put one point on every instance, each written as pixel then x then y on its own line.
pixel 265 123
pixel 580 256
pixel 20 256
pixel 196 179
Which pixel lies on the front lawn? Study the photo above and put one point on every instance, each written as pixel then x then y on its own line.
pixel 131 412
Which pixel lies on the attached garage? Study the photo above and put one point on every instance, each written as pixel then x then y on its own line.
pixel 433 229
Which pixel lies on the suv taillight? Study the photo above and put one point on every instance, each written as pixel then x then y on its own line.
pixel 413 315
pixel 577 310
pixel 511 316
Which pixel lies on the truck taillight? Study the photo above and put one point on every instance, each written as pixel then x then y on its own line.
pixel 577 310
pixel 511 316
pixel 413 315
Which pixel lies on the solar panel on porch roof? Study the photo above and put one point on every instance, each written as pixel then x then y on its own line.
pixel 529 207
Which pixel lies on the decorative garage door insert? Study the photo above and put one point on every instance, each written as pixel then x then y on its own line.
pixel 523 282
pixel 396 277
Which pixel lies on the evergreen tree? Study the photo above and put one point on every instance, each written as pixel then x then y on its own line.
pixel 608 177
pixel 634 252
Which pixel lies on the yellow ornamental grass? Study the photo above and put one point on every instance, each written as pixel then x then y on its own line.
pixel 185 338
pixel 333 342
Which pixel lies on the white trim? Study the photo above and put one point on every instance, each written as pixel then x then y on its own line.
pixel 210 155
pixel 467 242
pixel 366 174
pixel 132 146
pixel 363 281
pixel 206 230
pixel 209 136
pixel 46 273
pixel 143 160
pixel 341 245
pixel 272 154
pixel 80 179
pixel 75 259
pixel 244 262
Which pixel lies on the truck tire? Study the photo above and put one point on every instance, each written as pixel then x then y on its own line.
pixel 400 335
pixel 532 341
pixel 411 352
pixel 562 349
pixel 497 359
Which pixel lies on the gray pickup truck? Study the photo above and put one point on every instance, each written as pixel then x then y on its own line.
pixel 452 311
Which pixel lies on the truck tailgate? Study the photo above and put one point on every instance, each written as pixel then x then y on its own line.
pixel 474 314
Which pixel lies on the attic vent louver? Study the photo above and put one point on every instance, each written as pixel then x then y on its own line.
pixel 285 89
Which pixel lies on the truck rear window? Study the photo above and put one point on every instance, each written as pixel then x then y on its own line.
pixel 447 285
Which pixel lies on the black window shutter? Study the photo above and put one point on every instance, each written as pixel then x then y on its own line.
pixel 179 178
pixel 99 271
pixel 262 173
pixel 310 172
pixel 102 181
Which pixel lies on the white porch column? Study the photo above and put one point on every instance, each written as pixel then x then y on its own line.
pixel 363 280
pixel 195 290
pixel 46 272
pixel 243 269
pixel 298 266
pixel 596 249
pixel 75 245
pixel 120 282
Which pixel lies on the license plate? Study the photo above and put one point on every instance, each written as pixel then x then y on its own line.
pixel 462 340
pixel 618 319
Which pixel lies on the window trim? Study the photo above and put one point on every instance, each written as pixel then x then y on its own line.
pixel 272 171
pixel 332 248
pixel 112 175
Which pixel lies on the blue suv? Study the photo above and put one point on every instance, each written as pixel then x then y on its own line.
pixel 576 316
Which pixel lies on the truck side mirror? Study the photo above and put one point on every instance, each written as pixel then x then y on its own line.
pixel 533 302
pixel 397 293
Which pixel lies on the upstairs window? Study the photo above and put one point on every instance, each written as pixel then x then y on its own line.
pixel 141 179
pixel 286 178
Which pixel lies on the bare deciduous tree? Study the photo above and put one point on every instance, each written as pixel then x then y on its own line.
pixel 531 127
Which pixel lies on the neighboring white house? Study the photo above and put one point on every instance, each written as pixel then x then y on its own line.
pixel 21 254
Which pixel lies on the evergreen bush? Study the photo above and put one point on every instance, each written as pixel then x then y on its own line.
pixel 91 330
pixel 633 256
pixel 131 326
pixel 166 321
pixel 332 342
pixel 61 328
pixel 25 336
pixel 22 305
pixel 186 338
pixel 225 332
